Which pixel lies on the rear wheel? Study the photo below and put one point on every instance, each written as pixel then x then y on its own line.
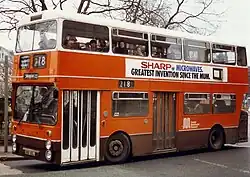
pixel 117 148
pixel 216 139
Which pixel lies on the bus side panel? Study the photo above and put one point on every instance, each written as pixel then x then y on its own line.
pixel 188 140
pixel 233 76
pixel 192 139
pixel 139 129
pixel 197 136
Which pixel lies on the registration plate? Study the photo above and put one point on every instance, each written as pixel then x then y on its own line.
pixel 30 152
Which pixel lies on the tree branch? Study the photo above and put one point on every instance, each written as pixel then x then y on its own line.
pixel 87 7
pixel 80 6
pixel 158 13
pixel 136 11
pixel 44 6
pixel 176 13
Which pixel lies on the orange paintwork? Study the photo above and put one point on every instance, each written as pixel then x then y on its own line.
pixel 77 68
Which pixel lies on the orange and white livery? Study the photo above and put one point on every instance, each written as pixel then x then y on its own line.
pixel 90 89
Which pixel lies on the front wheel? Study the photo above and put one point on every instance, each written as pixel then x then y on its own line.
pixel 216 139
pixel 118 148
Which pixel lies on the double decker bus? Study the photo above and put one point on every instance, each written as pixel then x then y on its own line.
pixel 92 89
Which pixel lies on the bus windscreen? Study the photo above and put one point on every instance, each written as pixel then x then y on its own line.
pixel 36 104
pixel 35 37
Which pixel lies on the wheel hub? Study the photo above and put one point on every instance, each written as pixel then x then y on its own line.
pixel 116 148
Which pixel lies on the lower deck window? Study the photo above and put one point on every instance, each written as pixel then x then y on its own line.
pixel 195 103
pixel 224 103
pixel 127 104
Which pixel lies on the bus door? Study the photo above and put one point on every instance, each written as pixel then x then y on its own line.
pixel 164 121
pixel 80 126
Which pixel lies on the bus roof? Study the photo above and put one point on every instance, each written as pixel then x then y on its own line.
pixel 56 14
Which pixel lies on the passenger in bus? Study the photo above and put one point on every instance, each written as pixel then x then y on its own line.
pixel 138 51
pixel 86 46
pixel 70 42
pixel 198 108
pixel 43 40
pixel 173 52
pixel 159 53
pixel 121 49
pixel 42 45
pixel 51 44
pixel 103 46
pixel 93 45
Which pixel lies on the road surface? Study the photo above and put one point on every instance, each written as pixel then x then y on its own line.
pixel 231 162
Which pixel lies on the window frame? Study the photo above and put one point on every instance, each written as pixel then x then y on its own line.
pixel 62 35
pixel 144 98
pixel 144 39
pixel 34 86
pixel 245 56
pixel 229 94
pixel 179 41
pixel 198 99
pixel 186 45
pixel 225 50
pixel 57 25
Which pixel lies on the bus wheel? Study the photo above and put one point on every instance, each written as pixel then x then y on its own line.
pixel 118 148
pixel 216 139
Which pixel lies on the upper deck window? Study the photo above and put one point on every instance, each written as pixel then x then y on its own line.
pixel 223 54
pixel 197 51
pixel 166 47
pixel 38 36
pixel 84 36
pixel 129 42
pixel 241 56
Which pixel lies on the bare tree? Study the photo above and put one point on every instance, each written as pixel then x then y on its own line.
pixel 2 77
pixel 170 14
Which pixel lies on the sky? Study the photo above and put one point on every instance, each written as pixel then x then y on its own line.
pixel 234 26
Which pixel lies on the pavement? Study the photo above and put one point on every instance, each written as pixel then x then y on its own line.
pixel 8 155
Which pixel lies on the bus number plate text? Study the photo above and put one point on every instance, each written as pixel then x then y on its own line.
pixel 126 84
pixel 30 153
pixel 30 76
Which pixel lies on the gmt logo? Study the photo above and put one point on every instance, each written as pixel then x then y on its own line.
pixel 189 124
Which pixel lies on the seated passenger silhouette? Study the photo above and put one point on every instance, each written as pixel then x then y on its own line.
pixel 121 49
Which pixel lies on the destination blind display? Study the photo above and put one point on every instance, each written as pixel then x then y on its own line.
pixel 173 71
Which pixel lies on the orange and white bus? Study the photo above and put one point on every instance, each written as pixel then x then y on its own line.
pixel 93 89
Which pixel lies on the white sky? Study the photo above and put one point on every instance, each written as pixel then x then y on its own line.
pixel 236 27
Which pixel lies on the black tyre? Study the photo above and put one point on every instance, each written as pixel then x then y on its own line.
pixel 118 148
pixel 216 139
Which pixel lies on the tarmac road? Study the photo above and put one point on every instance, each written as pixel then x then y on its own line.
pixel 231 162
